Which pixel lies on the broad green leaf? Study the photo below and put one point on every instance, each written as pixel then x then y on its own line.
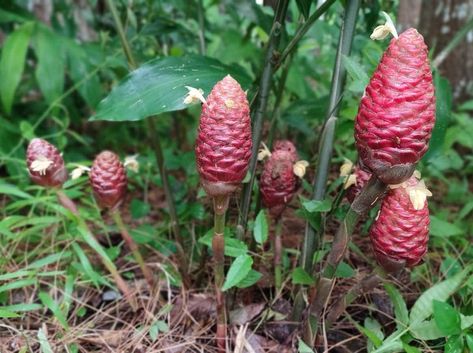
pixel 139 209
pixel 469 341
pixel 12 63
pixel 466 321
pixel 6 314
pixel 159 86
pixel 251 278
pixel 423 307
pixel 441 228
pixel 299 276
pixel 49 49
pixel 43 342
pixel 454 344
pixel 358 76
pixel 443 109
pixel 238 270
pixel 79 70
pixel 400 308
pixel 394 346
pixel 317 205
pixel 54 307
pixel 426 330
pixel 410 349
pixel 344 270
pixel 260 229
pixel 303 348
pixel 446 318
pixel 373 331
pixel 12 190
pixel 466 210
pixel 233 247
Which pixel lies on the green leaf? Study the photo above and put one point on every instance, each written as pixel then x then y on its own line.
pixel 344 270
pixel 17 284
pixel 454 344
pixel 303 348
pixel 400 308
pixel 51 62
pixel 446 318
pixel 410 349
pixel 250 279
pixel 359 77
pixel 54 307
pixel 139 209
pixel 443 109
pixel 159 86
pixel 300 276
pixel 260 229
pixel 6 314
pixel 12 190
pixel 12 63
pixel 238 271
pixel 466 321
pixel 233 247
pixel 304 7
pixel 441 228
pixel 373 331
pixel 423 307
pixel 79 69
pixel 317 205
pixel 469 341
pixel 87 266
pixel 43 342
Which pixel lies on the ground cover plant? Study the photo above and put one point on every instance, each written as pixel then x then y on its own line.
pixel 220 176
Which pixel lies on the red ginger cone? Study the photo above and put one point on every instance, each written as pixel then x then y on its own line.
pixel 278 183
pixel 45 164
pixel 401 230
pixel 108 179
pixel 397 112
pixel 223 146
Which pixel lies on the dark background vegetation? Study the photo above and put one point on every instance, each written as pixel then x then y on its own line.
pixel 60 59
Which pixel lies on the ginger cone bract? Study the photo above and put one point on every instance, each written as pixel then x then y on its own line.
pixel 401 230
pixel 45 164
pixel 223 146
pixel 108 179
pixel 397 112
pixel 278 183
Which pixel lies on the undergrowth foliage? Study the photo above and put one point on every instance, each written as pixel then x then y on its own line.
pixel 127 125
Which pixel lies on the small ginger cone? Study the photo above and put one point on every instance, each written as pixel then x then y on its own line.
pixel 223 146
pixel 45 164
pixel 397 112
pixel 108 179
pixel 278 183
pixel 109 184
pixel 400 233
pixel 360 178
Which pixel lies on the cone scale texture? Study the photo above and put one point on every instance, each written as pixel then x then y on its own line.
pixel 52 172
pixel 223 146
pixel 108 180
pixel 397 112
pixel 400 233
pixel 278 183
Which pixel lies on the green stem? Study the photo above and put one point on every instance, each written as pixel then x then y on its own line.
pixel 278 255
pixel 262 101
pixel 328 133
pixel 218 249
pixel 367 198
pixel 158 151
pixel 148 275
pixel 201 17
pixel 457 38
pixel 156 144
pixel 121 34
pixel 291 47
pixel 94 244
